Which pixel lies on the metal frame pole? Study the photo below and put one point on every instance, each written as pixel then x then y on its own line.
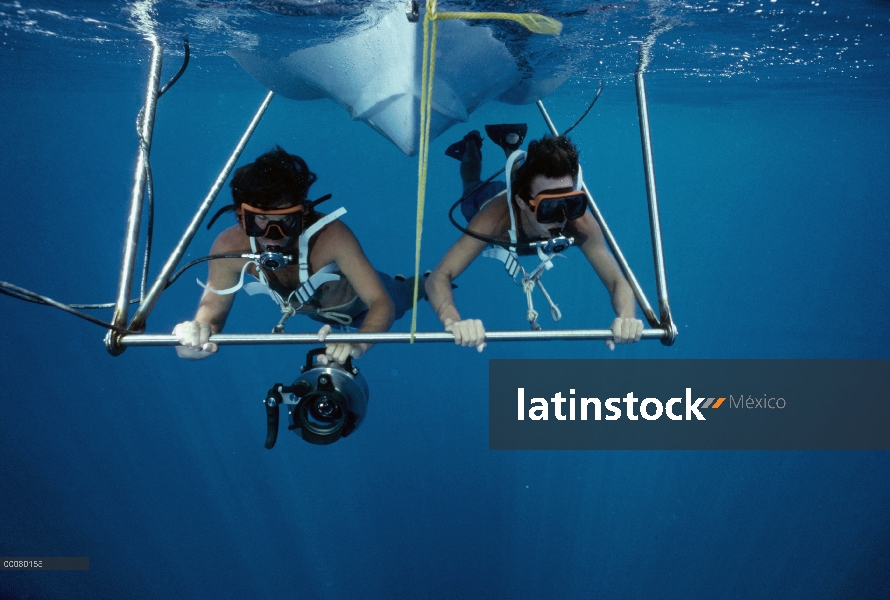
pixel 666 319
pixel 268 339
pixel 610 239
pixel 116 343
pixel 134 220
pixel 139 319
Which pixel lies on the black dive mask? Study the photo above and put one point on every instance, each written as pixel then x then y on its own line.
pixel 273 224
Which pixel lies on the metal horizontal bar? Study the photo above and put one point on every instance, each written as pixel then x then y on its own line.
pixel 267 339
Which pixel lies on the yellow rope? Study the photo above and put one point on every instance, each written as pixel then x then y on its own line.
pixel 533 22
pixel 426 92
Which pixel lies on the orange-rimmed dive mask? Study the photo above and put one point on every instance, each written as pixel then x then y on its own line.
pixel 550 206
pixel 272 224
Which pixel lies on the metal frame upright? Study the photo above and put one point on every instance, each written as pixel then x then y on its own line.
pixel 116 342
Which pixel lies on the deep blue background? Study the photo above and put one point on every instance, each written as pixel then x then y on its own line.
pixel 775 223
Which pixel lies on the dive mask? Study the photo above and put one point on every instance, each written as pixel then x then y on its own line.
pixel 272 224
pixel 550 205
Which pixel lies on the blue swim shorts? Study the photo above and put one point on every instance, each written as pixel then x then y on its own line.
pixel 470 205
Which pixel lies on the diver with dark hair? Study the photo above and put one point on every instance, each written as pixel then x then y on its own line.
pixel 308 262
pixel 540 210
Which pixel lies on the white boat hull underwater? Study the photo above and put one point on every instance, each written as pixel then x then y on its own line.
pixel 375 74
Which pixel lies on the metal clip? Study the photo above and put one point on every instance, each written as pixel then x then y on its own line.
pixel 412 11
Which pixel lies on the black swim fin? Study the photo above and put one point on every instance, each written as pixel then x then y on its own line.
pixel 457 149
pixel 508 136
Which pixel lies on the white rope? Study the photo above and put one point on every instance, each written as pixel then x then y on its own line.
pixel 341 318
pixel 555 313
pixel 528 285
pixel 529 281
pixel 331 313
pixel 288 311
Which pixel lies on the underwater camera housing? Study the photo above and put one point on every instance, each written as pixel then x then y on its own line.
pixel 325 403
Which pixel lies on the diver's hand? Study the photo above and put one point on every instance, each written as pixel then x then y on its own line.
pixel 626 331
pixel 195 341
pixel 468 332
pixel 338 352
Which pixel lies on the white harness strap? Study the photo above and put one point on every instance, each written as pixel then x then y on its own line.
pixel 510 258
pixel 308 284
pixel 511 160
pixel 230 290
pixel 304 251
pixel 311 285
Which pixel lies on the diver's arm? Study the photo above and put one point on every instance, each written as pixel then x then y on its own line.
pixel 467 332
pixel 438 284
pixel 338 244
pixel 626 328
pixel 213 310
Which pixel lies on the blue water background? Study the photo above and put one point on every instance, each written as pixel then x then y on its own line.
pixel 775 223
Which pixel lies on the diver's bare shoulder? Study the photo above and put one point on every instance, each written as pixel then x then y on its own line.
pixel 493 219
